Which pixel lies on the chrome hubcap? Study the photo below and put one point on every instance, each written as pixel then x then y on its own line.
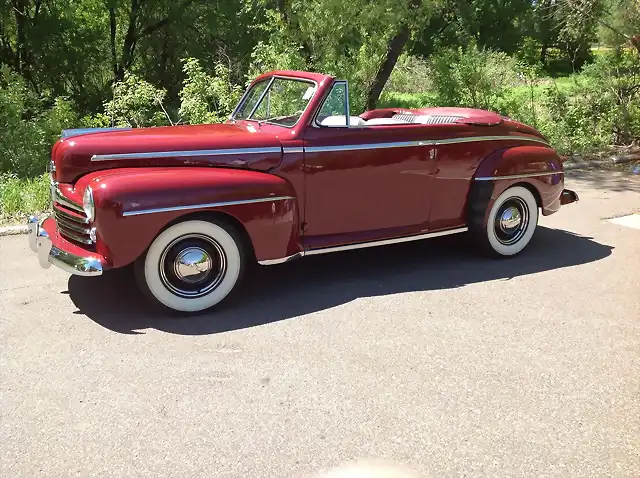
pixel 512 221
pixel 192 265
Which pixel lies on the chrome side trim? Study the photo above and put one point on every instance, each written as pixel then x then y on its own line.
pixel 363 245
pixel 184 154
pixel 359 147
pixel 519 176
pixel 473 139
pixel 282 260
pixel 426 142
pixel 293 150
pixel 385 242
pixel 203 206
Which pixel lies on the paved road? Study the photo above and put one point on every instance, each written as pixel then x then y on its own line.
pixel 419 353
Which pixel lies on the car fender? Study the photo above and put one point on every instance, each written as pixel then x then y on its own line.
pixel 134 205
pixel 537 167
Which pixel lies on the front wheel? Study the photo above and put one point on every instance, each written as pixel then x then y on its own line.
pixel 510 224
pixel 192 266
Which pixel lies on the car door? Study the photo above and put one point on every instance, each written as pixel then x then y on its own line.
pixel 363 182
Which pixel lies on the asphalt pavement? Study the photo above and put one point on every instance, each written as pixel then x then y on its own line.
pixel 424 354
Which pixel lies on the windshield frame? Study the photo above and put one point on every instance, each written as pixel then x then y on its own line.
pixel 270 81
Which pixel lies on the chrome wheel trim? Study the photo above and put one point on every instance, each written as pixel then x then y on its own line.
pixel 192 265
pixel 511 221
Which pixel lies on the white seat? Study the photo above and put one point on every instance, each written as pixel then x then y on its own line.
pixel 340 120
pixel 383 121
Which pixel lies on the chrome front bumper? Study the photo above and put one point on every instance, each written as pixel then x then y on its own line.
pixel 48 254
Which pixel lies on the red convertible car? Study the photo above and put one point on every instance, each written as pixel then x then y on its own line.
pixel 291 173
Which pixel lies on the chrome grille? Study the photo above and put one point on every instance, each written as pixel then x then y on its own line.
pixel 441 119
pixel 72 222
pixel 426 119
pixel 408 117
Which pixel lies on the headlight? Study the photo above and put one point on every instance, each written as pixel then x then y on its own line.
pixel 87 204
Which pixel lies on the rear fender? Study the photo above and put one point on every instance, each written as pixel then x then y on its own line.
pixel 133 205
pixel 508 167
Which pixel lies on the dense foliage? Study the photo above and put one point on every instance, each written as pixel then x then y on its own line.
pixel 75 63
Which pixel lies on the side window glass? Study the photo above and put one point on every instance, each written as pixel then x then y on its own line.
pixel 334 109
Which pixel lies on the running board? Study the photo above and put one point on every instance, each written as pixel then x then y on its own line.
pixel 363 245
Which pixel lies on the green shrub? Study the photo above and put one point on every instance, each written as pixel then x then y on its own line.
pixel 29 124
pixel 22 196
pixel 135 103
pixel 472 77
pixel 205 98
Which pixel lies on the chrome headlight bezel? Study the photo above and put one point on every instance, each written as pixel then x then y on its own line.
pixel 88 204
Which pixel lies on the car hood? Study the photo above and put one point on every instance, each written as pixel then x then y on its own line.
pixel 224 145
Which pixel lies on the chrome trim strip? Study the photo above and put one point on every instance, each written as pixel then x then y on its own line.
pixel 205 206
pixel 58 197
pixel 282 260
pixel 473 139
pixel 363 245
pixel 293 150
pixel 385 242
pixel 358 147
pixel 59 212
pixel 519 176
pixel 66 223
pixel 69 234
pixel 184 154
pixel 426 142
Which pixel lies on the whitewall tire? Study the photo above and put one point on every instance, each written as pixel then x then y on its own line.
pixel 192 265
pixel 511 222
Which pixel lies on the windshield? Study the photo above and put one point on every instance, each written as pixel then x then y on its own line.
pixel 276 100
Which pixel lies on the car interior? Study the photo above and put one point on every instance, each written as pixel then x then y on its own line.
pixel 396 119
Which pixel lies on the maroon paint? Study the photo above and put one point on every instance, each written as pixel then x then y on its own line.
pixel 73 155
pixel 340 197
pixel 60 242
pixel 272 226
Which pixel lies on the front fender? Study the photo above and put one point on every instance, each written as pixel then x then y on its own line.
pixel 133 205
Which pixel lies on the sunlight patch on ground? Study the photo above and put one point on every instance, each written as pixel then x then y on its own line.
pixel 632 220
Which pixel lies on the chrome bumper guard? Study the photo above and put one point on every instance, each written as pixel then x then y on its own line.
pixel 568 196
pixel 48 254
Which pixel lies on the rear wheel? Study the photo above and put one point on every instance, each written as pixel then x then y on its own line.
pixel 510 224
pixel 192 266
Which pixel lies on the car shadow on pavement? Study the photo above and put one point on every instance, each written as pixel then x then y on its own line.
pixel 274 293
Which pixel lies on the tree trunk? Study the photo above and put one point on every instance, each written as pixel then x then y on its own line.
pixel 635 41
pixel 543 53
pixel 20 13
pixel 394 50
pixel 126 59
pixel 112 38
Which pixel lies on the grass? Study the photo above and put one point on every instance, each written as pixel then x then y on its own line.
pixel 21 197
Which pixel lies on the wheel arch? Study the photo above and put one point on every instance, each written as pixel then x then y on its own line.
pixel 215 216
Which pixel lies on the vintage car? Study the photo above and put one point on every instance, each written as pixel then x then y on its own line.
pixel 291 173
